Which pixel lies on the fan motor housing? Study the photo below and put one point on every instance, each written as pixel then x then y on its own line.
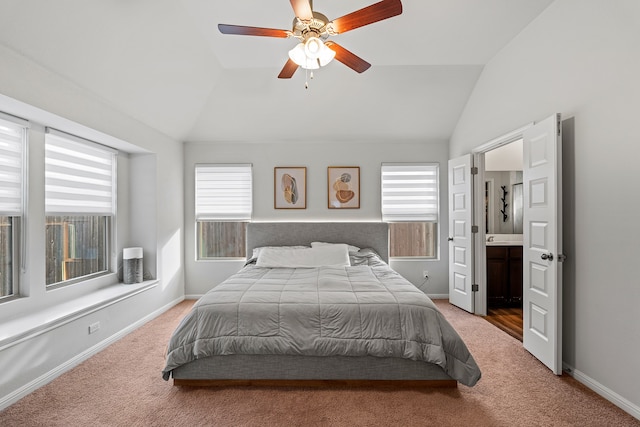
pixel 315 27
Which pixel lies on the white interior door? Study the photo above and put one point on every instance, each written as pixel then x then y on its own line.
pixel 542 243
pixel 460 237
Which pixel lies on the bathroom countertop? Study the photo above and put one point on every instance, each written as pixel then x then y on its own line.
pixel 504 243
pixel 504 239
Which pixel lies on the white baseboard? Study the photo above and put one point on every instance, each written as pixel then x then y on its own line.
pixel 610 395
pixel 11 398
pixel 193 296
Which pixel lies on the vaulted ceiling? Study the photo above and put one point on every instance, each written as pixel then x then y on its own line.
pixel 165 63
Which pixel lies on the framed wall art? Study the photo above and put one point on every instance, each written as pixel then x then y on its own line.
pixel 343 187
pixel 290 187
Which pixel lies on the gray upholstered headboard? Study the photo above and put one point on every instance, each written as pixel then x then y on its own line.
pixel 373 235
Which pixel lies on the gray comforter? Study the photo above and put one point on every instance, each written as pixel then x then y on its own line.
pixel 361 310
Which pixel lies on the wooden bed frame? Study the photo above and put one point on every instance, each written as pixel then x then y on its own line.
pixel 404 384
pixel 318 372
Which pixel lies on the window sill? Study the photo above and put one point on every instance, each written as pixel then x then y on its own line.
pixel 31 325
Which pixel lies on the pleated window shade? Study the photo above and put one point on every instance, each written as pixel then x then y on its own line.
pixel 410 192
pixel 80 176
pixel 224 192
pixel 12 146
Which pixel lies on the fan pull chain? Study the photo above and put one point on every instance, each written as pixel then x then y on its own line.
pixel 308 76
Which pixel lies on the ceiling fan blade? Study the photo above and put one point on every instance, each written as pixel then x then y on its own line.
pixel 347 58
pixel 302 9
pixel 289 68
pixel 242 30
pixel 368 15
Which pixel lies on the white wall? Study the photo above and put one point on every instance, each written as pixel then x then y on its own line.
pixel 580 58
pixel 149 184
pixel 316 157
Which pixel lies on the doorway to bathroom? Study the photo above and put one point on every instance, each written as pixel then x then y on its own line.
pixel 504 236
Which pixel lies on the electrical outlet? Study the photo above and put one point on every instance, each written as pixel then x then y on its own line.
pixel 425 274
pixel 94 327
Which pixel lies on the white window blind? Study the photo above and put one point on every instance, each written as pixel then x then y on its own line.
pixel 79 176
pixel 409 192
pixel 223 192
pixel 12 142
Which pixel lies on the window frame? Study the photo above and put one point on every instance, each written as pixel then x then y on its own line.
pixel 239 211
pixel 17 220
pixel 107 212
pixel 410 214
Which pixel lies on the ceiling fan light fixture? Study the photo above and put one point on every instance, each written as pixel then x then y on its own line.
pixel 326 55
pixel 312 54
pixel 311 64
pixel 297 55
pixel 312 47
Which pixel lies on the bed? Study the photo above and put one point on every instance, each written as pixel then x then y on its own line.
pixel 283 321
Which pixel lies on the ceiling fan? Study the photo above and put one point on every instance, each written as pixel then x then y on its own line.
pixel 313 28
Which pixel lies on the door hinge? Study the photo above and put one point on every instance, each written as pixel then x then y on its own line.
pixel 474 170
pixel 474 228
pixel 562 258
pixel 474 288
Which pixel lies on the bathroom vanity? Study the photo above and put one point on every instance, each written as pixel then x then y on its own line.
pixel 504 272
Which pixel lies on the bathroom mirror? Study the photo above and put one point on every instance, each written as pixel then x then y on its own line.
pixel 503 202
pixel 517 201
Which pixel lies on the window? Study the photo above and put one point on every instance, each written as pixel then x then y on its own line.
pixel 12 152
pixel 410 204
pixel 223 205
pixel 80 202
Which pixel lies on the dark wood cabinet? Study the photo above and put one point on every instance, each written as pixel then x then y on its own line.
pixel 497 277
pixel 504 276
pixel 515 275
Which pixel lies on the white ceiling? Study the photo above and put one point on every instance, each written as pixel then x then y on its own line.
pixel 165 63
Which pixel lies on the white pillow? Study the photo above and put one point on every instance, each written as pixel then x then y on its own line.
pixel 328 256
pixel 256 251
pixel 318 244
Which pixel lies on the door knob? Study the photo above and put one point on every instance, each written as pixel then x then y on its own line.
pixel 450 239
pixel 547 257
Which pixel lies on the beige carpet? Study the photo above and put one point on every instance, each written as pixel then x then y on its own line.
pixel 122 386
